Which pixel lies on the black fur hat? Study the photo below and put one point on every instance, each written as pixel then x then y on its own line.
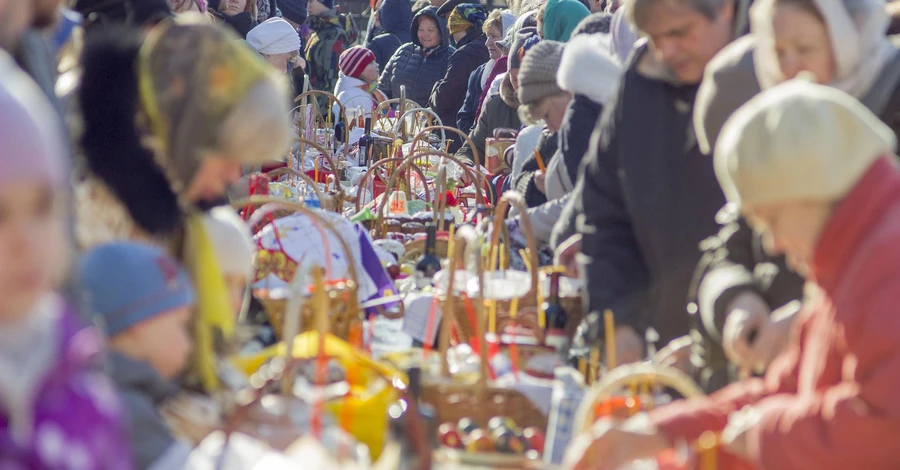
pixel 132 12
pixel 108 98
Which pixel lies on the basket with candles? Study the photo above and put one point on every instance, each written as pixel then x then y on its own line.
pixel 316 402
pixel 529 294
pixel 484 414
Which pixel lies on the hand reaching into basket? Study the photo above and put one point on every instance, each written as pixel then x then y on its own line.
pixel 609 445
pixel 752 336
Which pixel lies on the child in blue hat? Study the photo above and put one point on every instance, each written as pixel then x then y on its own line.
pixel 143 300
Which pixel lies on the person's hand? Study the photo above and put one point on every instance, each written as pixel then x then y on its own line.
pixel 772 338
pixel 466 178
pixel 629 346
pixel 609 446
pixel 677 354
pixel 566 255
pixel 539 180
pixel 748 315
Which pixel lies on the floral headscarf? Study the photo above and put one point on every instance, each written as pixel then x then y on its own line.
pixel 191 75
pixel 466 17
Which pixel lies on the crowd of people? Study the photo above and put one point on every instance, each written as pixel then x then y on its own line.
pixel 720 174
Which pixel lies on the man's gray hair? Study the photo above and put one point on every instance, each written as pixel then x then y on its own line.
pixel 637 9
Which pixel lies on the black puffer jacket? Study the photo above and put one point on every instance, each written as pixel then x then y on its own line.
pixel 412 67
pixel 450 92
pixel 396 21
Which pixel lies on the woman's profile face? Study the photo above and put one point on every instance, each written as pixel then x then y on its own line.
pixel 494 35
pixel 802 44
pixel 214 177
pixel 428 33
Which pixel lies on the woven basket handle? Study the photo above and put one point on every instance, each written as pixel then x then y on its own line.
pixel 465 138
pixel 475 175
pixel 432 118
pixel 274 373
pixel 268 205
pixel 338 190
pixel 511 198
pixel 364 182
pixel 627 375
pixel 331 100
pixel 278 172
pixel 381 114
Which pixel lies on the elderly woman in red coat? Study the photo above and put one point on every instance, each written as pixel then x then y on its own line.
pixel 813 170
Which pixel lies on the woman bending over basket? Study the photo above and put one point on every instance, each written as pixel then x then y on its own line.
pixel 169 123
pixel 811 168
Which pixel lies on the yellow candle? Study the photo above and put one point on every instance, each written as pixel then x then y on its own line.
pixel 610 324
pixel 594 363
pixel 502 257
pixel 706 446
pixel 492 316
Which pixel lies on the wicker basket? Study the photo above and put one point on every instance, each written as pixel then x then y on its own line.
pixel 399 171
pixel 701 455
pixel 481 400
pixel 342 294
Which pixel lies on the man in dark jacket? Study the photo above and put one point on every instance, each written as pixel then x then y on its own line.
pixel 416 65
pixel 649 197
pixel 465 24
pixel 395 18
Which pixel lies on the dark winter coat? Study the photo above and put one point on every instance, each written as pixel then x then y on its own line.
pixel 574 137
pixel 450 92
pixel 649 198
pixel 465 118
pixel 734 262
pixel 413 67
pixel 396 19
pixel 575 132
pixel 500 110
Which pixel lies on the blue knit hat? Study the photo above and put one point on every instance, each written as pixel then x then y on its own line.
pixel 126 283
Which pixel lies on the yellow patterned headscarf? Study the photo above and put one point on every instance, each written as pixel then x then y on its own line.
pixel 456 23
pixel 191 75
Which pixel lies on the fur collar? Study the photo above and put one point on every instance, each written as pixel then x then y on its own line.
pixel 589 68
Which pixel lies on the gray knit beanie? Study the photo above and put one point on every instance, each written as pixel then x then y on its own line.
pixel 537 77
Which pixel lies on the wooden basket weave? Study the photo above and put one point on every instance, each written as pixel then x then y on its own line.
pixel 342 294
pixel 481 400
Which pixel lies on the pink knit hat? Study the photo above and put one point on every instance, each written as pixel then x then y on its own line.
pixel 354 60
pixel 30 131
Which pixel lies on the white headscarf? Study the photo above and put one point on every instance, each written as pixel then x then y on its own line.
pixel 857 29
pixel 274 36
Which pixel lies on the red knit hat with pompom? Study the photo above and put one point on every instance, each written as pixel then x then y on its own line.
pixel 354 60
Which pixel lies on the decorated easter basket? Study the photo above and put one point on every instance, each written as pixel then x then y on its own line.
pixel 342 293
pixel 628 389
pixel 527 305
pixel 482 399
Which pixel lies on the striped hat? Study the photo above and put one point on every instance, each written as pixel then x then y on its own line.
pixel 354 60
